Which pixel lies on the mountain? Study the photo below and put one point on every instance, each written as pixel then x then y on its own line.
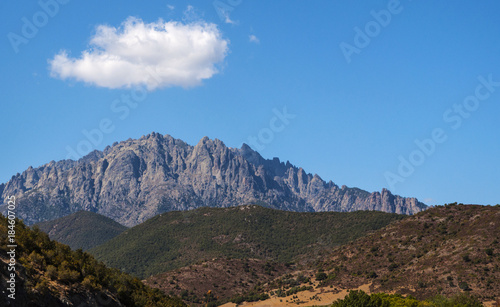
pixel 82 229
pixel 179 238
pixel 134 180
pixel 50 274
pixel 445 250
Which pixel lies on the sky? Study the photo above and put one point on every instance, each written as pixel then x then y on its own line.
pixel 403 95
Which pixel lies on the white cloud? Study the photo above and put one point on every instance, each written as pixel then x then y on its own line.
pixel 170 7
pixel 253 39
pixel 155 55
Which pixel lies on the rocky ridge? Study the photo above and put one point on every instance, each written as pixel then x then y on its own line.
pixel 134 180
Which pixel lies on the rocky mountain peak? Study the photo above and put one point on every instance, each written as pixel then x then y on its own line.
pixel 134 180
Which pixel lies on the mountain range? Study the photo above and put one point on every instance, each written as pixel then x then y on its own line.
pixel 134 180
pixel 447 255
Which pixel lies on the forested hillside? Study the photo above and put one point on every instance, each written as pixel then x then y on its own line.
pixel 51 274
pixel 176 239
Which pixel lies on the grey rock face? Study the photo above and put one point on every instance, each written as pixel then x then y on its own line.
pixel 137 179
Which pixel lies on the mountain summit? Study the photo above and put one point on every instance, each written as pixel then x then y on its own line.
pixel 134 180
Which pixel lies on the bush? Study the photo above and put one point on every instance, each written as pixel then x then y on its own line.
pixel 393 266
pixel 37 260
pixel 460 300
pixel 355 298
pixel 372 275
pixel 68 276
pixel 51 272
pixel 237 300
pixel 464 286
pixel 321 276
pixel 42 286
pixel 463 300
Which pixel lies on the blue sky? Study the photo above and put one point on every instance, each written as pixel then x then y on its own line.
pixel 362 83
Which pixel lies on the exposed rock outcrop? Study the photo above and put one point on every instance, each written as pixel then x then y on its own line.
pixel 134 180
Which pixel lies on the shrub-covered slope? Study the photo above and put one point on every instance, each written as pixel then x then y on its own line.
pixel 176 239
pixel 51 274
pixel 444 250
pixel 83 229
pixel 223 278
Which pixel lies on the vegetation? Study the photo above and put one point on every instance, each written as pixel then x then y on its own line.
pixel 226 279
pixel 446 256
pixel 361 299
pixel 252 296
pixel 49 272
pixel 82 229
pixel 176 239
pixel 444 250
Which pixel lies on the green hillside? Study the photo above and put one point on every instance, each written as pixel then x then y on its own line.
pixel 50 274
pixel 445 256
pixel 82 229
pixel 176 239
